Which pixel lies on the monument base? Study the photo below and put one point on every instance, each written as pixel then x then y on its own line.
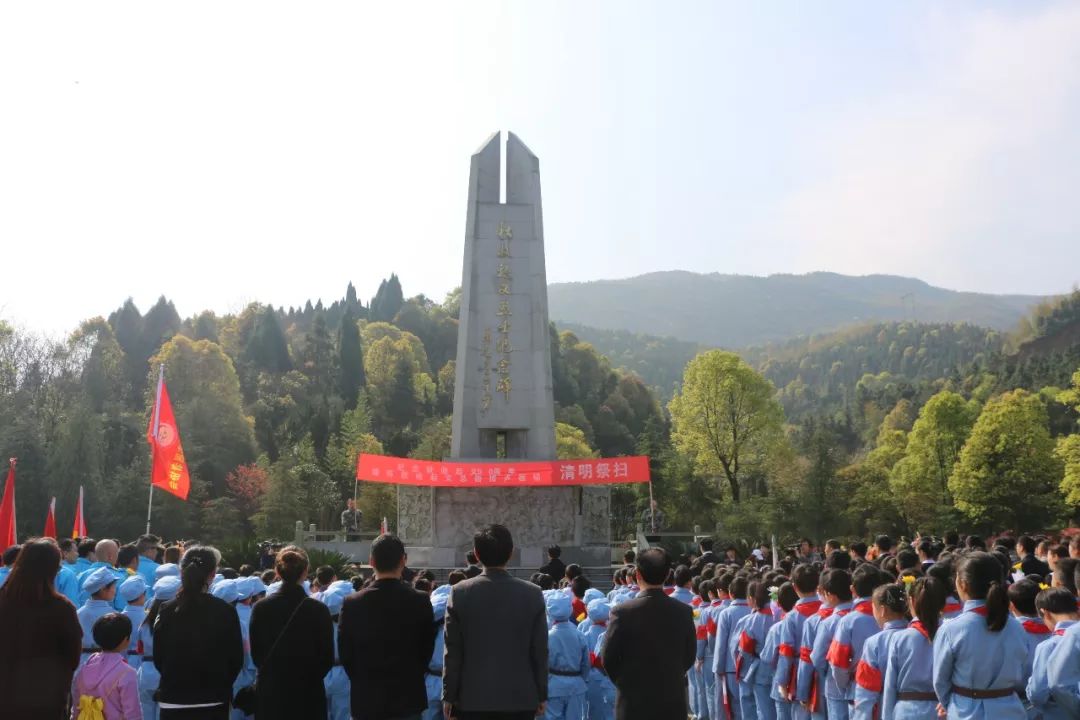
pixel 438 524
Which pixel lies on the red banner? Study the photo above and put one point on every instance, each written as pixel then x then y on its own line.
pixel 427 473
pixel 168 467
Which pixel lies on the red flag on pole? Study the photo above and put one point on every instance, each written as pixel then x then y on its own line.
pixel 50 521
pixel 169 471
pixel 79 531
pixel 7 509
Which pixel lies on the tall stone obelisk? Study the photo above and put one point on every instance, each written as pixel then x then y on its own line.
pixel 503 404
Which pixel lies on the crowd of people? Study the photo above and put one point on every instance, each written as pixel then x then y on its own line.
pixel 932 628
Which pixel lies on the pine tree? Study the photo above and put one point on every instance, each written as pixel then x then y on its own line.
pixel 350 359
pixel 267 349
pixel 388 300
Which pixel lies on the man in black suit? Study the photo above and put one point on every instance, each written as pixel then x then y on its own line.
pixel 555 567
pixel 1029 563
pixel 707 556
pixel 496 664
pixel 386 635
pixel 650 646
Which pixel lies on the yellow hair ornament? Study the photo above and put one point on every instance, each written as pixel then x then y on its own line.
pixel 1016 566
pixel 908 579
pixel 1044 586
pixel 581 617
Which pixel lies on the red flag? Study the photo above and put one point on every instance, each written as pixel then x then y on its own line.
pixel 7 509
pixel 169 471
pixel 50 521
pixel 79 531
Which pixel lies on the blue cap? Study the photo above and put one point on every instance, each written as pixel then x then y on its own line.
pixel 590 595
pixel 249 587
pixel 98 579
pixel 226 590
pixel 166 570
pixel 132 588
pixel 166 588
pixel 558 606
pixel 598 610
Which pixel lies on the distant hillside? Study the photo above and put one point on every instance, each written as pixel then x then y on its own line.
pixel 735 311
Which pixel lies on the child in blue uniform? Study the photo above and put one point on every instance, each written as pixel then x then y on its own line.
pixel 805 578
pixel 909 681
pixel 837 590
pixel 433 677
pixel 601 692
pixel 133 592
pixel 703 666
pixel 770 657
pixel 751 632
pixel 248 591
pixel 99 585
pixel 853 630
pixel 336 683
pixel 568 662
pixel 1057 607
pixel 890 614
pixel 979 656
pixel 727 702
pixel 1022 606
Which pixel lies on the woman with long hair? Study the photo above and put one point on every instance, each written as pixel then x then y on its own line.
pixel 40 637
pixel 292 645
pixel 198 649
pixel 979 657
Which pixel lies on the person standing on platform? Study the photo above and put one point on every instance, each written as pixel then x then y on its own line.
pixel 350 518
pixel 649 646
pixel 555 567
pixel 496 662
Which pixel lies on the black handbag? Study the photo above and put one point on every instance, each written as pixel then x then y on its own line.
pixel 245 700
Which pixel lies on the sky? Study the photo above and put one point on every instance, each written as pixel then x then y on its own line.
pixel 224 153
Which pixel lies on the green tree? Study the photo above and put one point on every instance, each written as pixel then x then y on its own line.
pixel 570 443
pixel 266 349
pixel 726 417
pixel 388 300
pixel 1007 476
pixel 920 481
pixel 350 359
pixel 1068 452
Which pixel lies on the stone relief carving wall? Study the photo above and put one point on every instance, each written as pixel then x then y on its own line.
pixel 414 515
pixel 535 516
pixel 596 511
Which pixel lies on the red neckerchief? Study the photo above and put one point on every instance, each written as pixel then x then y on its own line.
pixel 1035 627
pixel 917 625
pixel 824 612
pixel 765 611
pixel 600 623
pixel 808 609
pixel 1059 632
pixel 980 610
pixel 866 607
pixel 952 605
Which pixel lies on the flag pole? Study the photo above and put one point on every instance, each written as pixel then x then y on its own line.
pixel 157 420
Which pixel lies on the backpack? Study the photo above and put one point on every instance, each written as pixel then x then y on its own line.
pixel 92 707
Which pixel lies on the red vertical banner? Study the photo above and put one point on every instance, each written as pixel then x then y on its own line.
pixel 50 521
pixel 169 471
pixel 79 531
pixel 7 509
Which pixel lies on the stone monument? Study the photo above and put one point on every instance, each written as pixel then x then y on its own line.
pixel 503 406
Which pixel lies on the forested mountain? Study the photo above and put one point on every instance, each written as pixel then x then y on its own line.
pixel 734 311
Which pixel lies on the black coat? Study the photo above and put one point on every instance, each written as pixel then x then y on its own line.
pixel 198 649
pixel 385 639
pixel 650 645
pixel 289 684
pixel 40 644
pixel 556 568
pixel 1032 565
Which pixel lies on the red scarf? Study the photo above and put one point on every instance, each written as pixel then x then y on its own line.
pixel 824 612
pixel 808 609
pixel 1035 627
pixel 866 607
pixel 917 625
